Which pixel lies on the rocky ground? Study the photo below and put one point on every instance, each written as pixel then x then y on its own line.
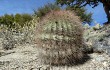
pixel 98 38
pixel 25 57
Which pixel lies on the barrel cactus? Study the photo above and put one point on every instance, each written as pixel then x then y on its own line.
pixel 60 38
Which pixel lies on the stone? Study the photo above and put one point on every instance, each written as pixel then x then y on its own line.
pixel 99 39
pixel 105 64
pixel 100 59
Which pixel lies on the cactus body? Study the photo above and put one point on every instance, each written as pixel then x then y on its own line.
pixel 60 38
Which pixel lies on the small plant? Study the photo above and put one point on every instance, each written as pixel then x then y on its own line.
pixel 8 40
pixel 60 38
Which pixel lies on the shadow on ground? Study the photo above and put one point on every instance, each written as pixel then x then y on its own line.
pixel 75 62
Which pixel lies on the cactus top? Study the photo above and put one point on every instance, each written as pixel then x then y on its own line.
pixel 60 25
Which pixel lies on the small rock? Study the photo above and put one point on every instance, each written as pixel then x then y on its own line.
pixel 100 59
pixel 105 64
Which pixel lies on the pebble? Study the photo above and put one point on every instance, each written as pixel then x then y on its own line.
pixel 105 64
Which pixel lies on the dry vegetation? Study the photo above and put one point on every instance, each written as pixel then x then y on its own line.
pixel 12 37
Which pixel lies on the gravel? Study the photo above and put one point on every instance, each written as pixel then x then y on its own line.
pixel 26 58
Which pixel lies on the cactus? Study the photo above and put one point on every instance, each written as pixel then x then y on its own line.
pixel 60 38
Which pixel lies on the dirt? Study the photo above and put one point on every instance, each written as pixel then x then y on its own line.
pixel 26 58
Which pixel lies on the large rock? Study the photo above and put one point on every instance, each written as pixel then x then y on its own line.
pixel 98 38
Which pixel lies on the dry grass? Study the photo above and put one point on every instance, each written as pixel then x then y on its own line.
pixel 18 36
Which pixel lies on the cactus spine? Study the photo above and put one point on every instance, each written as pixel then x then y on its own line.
pixel 60 38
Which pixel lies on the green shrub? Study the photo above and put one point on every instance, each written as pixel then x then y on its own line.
pixel 12 21
pixel 60 38
pixel 42 11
